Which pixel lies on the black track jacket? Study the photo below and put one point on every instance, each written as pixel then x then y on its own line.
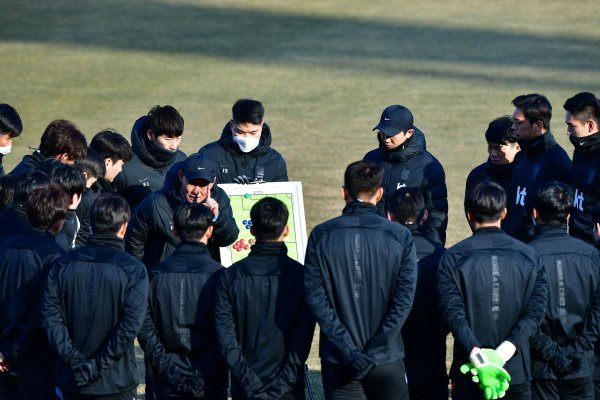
pixel 586 187
pixel 145 172
pixel 24 263
pixel 360 278
pixel 149 235
pixel 93 308
pixel 573 312
pixel 179 328
pixel 263 324
pixel 540 160
pixel 492 288
pixel 424 332
pixel 412 165
pixel 263 164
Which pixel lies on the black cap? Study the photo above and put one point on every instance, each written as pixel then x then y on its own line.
pixel 199 167
pixel 394 120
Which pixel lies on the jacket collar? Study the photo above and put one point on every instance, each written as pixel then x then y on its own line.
pixel 586 144
pixel 269 249
pixel 549 230
pixel 414 145
pixel 538 145
pixel 487 230
pixel 106 239
pixel 359 207
pixel 192 248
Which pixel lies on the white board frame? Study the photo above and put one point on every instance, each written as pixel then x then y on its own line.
pixel 272 188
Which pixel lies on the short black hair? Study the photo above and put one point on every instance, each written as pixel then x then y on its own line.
pixel 10 121
pixel 46 206
pixel 269 218
pixel 191 221
pixel 69 178
pixel 362 177
pixel 8 185
pixel 111 144
pixel 27 183
pixel 165 121
pixel 535 107
pixel 584 106
pixel 93 165
pixel 553 201
pixel 485 201
pixel 62 136
pixel 248 111
pixel 407 204
pixel 109 213
pixel 500 131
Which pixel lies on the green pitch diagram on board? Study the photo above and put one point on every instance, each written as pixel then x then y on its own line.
pixel 243 197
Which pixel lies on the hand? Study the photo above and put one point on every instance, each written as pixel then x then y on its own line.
pixel 85 372
pixel 566 363
pixel 211 203
pixel 186 381
pixel 362 364
pixel 242 180
pixel 4 367
pixel 493 382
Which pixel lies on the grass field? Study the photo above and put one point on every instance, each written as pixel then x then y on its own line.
pixel 324 70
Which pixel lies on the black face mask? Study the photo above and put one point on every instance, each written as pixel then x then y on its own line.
pixel 161 154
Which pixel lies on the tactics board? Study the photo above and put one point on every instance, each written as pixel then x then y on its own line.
pixel 243 197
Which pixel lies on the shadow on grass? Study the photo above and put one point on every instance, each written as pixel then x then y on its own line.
pixel 256 36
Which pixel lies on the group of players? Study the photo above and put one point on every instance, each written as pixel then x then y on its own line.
pixel 106 243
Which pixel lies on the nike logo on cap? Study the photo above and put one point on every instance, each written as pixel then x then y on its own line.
pixel 386 119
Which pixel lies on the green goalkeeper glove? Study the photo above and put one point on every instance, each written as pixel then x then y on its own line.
pixel 486 366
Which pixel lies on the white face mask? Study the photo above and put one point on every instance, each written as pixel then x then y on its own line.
pixel 247 144
pixel 4 150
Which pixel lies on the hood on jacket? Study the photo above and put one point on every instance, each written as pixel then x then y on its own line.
pixel 226 140
pixel 141 146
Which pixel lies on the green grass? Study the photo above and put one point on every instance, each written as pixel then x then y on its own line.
pixel 324 70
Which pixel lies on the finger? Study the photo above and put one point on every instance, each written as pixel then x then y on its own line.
pixel 487 391
pixel 465 368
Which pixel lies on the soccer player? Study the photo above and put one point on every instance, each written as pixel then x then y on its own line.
pixel 266 340
pixel 360 277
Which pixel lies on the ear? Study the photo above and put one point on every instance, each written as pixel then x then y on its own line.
pixel 469 217
pixel 425 216
pixel 122 230
pixel 518 147
pixel 539 126
pixel 252 231
pixel 62 157
pixel 409 133
pixel 108 162
pixel 503 215
pixel 286 231
pixel 379 194
pixel 345 194
pixel 209 232
pixel 390 217
pixel 149 134
pixel 180 174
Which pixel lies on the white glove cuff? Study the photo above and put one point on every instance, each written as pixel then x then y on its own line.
pixel 506 350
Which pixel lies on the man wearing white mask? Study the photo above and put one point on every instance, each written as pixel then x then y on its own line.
pixel 243 154
pixel 10 127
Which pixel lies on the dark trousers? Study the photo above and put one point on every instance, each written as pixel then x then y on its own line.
pixel 128 395
pixel 384 382
pixel 466 389
pixel 569 389
pixel 432 391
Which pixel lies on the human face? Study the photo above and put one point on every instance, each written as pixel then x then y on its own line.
pixel 196 190
pixel 579 129
pixel 501 154
pixel 522 129
pixel 167 143
pixel 246 129
pixel 5 140
pixel 391 142
pixel 112 169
